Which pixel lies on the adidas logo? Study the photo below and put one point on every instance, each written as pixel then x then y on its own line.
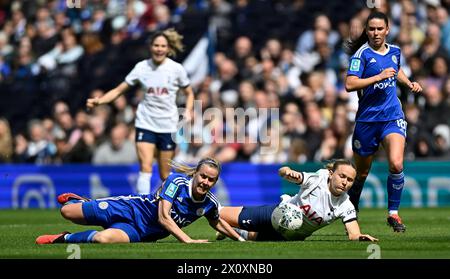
pixel 180 199
pixel 372 60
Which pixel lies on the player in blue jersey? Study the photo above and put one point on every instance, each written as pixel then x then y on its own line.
pixel 183 198
pixel 373 72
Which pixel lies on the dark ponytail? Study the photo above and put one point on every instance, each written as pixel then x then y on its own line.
pixel 350 46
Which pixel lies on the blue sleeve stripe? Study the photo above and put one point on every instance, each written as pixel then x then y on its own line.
pixel 180 181
pixel 213 199
pixel 359 50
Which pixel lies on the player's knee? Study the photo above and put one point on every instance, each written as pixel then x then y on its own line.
pixel 396 166
pixel 108 236
pixel 67 212
pixel 103 238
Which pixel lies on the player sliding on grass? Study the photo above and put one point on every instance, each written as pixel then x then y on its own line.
pixel 322 198
pixel 183 198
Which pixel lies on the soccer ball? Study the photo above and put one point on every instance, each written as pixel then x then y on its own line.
pixel 287 217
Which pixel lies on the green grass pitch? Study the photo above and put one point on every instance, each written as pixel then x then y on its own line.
pixel 427 236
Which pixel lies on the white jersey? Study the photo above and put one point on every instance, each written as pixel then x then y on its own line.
pixel 158 111
pixel 319 206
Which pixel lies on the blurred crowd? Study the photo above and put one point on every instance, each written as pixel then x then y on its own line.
pixel 286 55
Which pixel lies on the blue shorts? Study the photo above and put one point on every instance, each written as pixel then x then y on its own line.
pixel 163 141
pixel 367 136
pixel 119 213
pixel 258 219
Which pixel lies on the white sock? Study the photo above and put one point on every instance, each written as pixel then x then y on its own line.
pixel 391 212
pixel 143 183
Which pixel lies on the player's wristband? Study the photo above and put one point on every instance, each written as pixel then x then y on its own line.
pixel 241 239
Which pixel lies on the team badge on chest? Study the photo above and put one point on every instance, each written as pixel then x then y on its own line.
pixel 200 211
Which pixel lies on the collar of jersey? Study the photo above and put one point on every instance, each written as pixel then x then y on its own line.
pixel 380 53
pixel 190 192
pixel 153 65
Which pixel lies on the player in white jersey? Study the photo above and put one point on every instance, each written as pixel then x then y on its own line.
pixel 157 114
pixel 322 199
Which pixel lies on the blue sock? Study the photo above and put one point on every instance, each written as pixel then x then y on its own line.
pixel 395 184
pixel 80 237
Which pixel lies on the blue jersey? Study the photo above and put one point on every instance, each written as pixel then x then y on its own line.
pixel 378 101
pixel 177 189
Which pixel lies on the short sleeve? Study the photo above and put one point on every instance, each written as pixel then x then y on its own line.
pixel 133 77
pixel 183 79
pixel 312 179
pixel 356 67
pixel 348 212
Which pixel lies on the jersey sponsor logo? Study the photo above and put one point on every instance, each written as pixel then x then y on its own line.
pixel 351 211
pixel 171 190
pixel 180 220
pixel 355 64
pixel 103 205
pixel 157 91
pixel 373 60
pixel 394 59
pixel 312 216
pixel 200 211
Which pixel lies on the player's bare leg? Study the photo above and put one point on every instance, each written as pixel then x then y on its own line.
pixel 145 152
pixel 231 215
pixel 74 212
pixel 111 236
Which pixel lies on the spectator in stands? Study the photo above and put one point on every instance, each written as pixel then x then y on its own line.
pixel 6 142
pixel 306 41
pixel 441 137
pixel 436 110
pixel 117 150
pixel 39 150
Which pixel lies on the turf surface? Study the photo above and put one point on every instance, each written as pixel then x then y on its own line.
pixel 427 236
